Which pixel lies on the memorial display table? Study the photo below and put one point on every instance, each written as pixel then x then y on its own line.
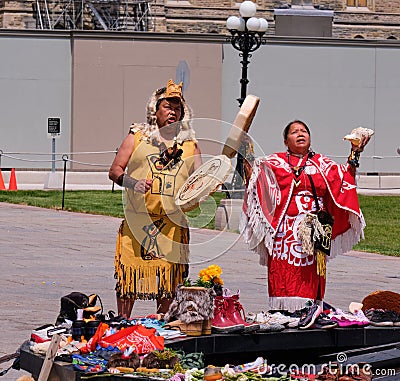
pixel 291 346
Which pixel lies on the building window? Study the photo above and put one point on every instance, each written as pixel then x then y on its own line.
pixel 357 3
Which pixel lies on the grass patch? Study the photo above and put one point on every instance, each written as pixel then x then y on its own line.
pixel 95 202
pixel 382 216
pixel 382 213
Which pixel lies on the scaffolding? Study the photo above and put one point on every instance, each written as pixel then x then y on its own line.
pixel 113 15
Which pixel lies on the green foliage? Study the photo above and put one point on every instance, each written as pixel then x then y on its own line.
pixel 203 215
pixel 191 360
pixel 187 282
pixel 382 233
pixel 382 213
pixel 93 201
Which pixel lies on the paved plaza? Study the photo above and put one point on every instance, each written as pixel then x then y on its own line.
pixel 46 254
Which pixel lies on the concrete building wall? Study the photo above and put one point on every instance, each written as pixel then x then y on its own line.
pixel 35 84
pixel 113 79
pixel 98 85
pixel 334 88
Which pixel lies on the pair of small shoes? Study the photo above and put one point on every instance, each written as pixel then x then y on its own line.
pixel 309 315
pixel 323 321
pixel 280 318
pixel 274 318
pixel 382 318
pixel 350 320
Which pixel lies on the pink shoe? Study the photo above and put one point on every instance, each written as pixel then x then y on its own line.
pixel 342 321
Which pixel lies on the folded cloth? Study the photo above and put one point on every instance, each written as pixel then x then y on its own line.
pixel 40 348
pixel 143 339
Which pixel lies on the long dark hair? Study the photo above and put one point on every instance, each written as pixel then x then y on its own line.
pixel 287 128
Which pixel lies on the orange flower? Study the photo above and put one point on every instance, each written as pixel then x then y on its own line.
pixel 210 276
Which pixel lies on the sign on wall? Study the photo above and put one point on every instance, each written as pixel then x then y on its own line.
pixel 54 126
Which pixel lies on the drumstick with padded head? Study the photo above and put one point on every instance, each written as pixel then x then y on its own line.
pixel 241 125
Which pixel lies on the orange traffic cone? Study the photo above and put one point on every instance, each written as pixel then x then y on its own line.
pixel 2 186
pixel 13 181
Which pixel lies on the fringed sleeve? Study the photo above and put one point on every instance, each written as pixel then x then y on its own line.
pixel 255 227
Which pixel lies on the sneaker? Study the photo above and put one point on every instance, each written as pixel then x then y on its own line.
pixel 264 328
pixel 258 318
pixel 251 317
pixel 277 318
pixel 362 320
pixel 395 318
pixel 276 327
pixel 345 319
pixel 298 313
pixel 309 316
pixel 324 322
pixel 250 366
pixel 40 334
pixel 261 318
pixel 294 323
pixel 379 318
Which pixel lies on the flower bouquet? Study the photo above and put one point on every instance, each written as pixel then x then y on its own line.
pixel 209 277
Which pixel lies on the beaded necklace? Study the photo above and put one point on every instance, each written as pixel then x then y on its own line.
pixel 298 169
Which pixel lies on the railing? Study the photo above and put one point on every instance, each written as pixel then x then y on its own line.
pixel 64 158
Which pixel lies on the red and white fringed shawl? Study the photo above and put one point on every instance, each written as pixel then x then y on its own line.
pixel 269 192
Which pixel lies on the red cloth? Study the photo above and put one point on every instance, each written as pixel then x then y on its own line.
pixel 92 343
pixel 141 338
pixel 276 201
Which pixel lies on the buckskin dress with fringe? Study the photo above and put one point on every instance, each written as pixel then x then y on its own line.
pixel 152 245
pixel 275 204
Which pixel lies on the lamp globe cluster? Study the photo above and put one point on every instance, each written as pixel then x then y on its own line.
pixel 247 21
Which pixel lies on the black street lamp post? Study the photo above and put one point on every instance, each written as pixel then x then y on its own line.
pixel 246 36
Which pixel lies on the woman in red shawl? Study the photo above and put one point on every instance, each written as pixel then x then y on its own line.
pixel 279 196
